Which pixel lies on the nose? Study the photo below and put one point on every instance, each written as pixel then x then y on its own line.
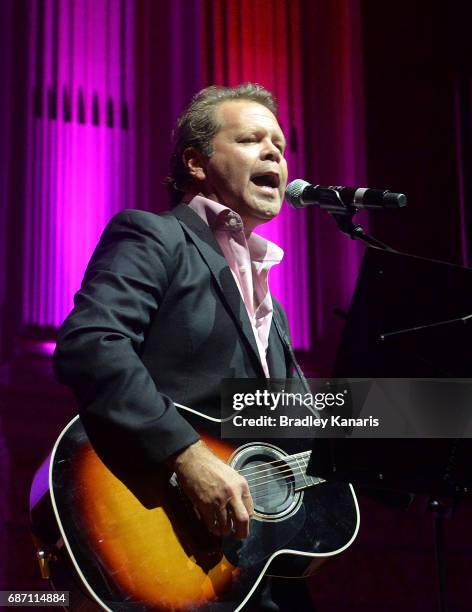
pixel 270 151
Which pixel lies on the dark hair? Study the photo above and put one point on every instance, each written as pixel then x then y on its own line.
pixel 197 126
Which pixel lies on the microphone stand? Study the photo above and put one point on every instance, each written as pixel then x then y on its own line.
pixel 342 213
pixel 330 200
pixel 356 231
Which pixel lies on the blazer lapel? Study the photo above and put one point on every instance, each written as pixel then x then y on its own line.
pixel 276 356
pixel 202 236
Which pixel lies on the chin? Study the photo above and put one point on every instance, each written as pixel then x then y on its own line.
pixel 270 214
pixel 259 218
pixel 269 210
pixel 260 212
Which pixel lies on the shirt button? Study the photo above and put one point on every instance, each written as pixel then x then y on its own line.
pixel 233 221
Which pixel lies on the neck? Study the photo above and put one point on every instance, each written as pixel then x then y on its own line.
pixel 249 223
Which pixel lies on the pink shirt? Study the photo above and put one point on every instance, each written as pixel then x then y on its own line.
pixel 249 260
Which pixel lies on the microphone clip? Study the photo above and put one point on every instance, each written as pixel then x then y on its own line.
pixel 330 200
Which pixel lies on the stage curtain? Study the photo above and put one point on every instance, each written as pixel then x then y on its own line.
pixel 104 82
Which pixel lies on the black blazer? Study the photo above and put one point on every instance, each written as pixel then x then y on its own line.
pixel 158 319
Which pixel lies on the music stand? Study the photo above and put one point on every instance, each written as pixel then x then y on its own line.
pixel 410 317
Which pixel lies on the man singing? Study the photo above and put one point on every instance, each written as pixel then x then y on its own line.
pixel 172 304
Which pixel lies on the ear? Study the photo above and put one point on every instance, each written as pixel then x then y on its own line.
pixel 195 162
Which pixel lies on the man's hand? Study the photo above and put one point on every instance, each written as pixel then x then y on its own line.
pixel 218 492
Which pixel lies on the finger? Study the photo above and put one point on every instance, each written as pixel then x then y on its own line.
pixel 223 521
pixel 240 518
pixel 210 520
pixel 248 503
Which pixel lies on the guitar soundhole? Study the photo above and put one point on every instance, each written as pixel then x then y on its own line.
pixel 271 479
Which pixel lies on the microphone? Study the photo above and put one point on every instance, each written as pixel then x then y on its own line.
pixel 300 194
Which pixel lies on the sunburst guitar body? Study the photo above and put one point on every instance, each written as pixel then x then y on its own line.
pixel 136 543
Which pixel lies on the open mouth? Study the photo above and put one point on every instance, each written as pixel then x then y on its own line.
pixel 267 181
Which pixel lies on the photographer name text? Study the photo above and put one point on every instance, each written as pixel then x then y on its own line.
pixel 307 421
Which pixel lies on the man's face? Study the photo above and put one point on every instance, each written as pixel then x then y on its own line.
pixel 247 170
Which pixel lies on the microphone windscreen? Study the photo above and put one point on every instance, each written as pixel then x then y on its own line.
pixel 293 193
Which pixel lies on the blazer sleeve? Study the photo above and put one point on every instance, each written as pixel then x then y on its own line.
pixel 99 344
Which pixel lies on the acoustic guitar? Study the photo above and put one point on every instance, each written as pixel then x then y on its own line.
pixel 135 542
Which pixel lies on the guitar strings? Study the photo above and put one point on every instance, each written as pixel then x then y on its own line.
pixel 282 468
pixel 268 468
pixel 270 494
pixel 274 463
pixel 283 477
pixel 296 455
pixel 286 477
pixel 279 471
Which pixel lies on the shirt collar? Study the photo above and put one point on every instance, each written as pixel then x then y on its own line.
pixel 221 218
